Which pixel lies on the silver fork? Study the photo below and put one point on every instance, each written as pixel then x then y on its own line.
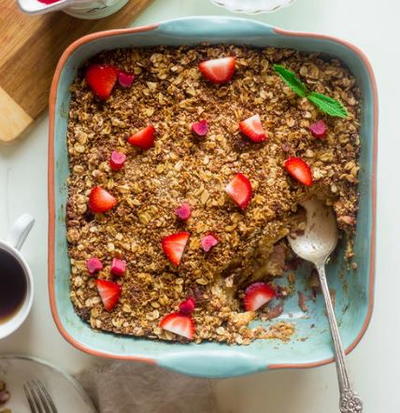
pixel 38 397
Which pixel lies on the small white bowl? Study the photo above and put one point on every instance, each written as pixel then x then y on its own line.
pixel 253 6
pixel 83 9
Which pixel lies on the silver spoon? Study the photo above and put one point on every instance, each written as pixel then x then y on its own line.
pixel 315 245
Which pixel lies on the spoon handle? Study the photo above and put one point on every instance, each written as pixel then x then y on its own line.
pixel 350 402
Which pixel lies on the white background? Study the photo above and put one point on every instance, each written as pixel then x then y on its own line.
pixel 375 366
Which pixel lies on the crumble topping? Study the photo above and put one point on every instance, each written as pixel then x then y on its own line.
pixel 170 93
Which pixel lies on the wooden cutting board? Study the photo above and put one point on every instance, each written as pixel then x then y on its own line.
pixel 30 47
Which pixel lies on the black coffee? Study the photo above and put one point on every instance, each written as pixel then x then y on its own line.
pixel 12 286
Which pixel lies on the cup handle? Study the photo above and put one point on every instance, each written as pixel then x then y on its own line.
pixel 20 230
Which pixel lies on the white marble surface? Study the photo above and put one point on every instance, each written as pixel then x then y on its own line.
pixel 375 364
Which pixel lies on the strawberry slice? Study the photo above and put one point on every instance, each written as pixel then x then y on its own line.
pixel 101 79
pixel 299 170
pixel 256 295
pixel 218 70
pixel 319 129
pixel 252 128
pixel 117 160
pixel 178 323
pixel 100 200
pixel 144 138
pixel 94 265
pixel 209 241
pixel 174 245
pixel 109 293
pixel 239 189
pixel 187 306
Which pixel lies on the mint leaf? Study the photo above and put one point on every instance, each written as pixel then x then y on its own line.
pixel 328 105
pixel 292 80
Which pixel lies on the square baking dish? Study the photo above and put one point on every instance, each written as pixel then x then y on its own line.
pixel 311 345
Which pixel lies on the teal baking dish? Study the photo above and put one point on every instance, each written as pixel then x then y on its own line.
pixel 311 345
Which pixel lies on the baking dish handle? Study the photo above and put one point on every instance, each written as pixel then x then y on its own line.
pixel 213 364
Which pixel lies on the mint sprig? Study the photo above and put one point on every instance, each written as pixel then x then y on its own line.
pixel 324 103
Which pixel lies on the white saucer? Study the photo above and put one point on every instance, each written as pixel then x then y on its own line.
pixel 68 395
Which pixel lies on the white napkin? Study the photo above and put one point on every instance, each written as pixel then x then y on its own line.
pixel 127 387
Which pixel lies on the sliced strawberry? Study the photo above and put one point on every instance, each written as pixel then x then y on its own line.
pixel 256 295
pixel 101 79
pixel 218 70
pixel 187 306
pixel 184 211
pixel 174 245
pixel 109 293
pixel 117 160
pixel 144 138
pixel 118 267
pixel 125 80
pixel 319 129
pixel 200 128
pixel 94 265
pixel 178 323
pixel 239 189
pixel 100 200
pixel 209 241
pixel 252 128
pixel 299 170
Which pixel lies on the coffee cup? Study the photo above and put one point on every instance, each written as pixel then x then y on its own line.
pixel 16 282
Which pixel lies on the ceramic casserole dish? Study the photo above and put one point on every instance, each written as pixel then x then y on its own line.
pixel 311 345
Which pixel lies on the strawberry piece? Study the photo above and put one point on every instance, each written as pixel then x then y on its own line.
pixel 187 306
pixel 94 265
pixel 252 128
pixel 101 79
pixel 209 241
pixel 174 245
pixel 144 138
pixel 184 211
pixel 100 200
pixel 218 70
pixel 118 267
pixel 178 323
pixel 109 293
pixel 256 295
pixel 200 128
pixel 125 80
pixel 319 129
pixel 240 190
pixel 117 160
pixel 299 170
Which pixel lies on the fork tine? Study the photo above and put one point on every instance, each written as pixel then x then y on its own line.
pixel 45 394
pixel 38 397
pixel 33 406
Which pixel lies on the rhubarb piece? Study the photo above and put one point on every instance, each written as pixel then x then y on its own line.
pixel 256 295
pixel 240 190
pixel 200 128
pixel 125 80
pixel 174 245
pixel 100 200
pixel 109 293
pixel 144 138
pixel 178 323
pixel 319 129
pixel 299 170
pixel 218 70
pixel 209 241
pixel 184 211
pixel 187 306
pixel 117 160
pixel 118 267
pixel 94 265
pixel 253 129
pixel 101 79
